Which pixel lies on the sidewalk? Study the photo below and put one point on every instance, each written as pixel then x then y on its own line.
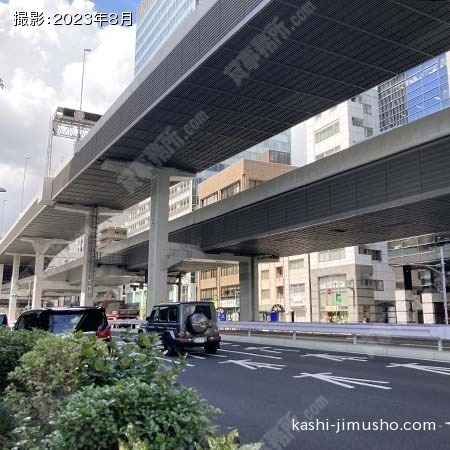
pixel 368 347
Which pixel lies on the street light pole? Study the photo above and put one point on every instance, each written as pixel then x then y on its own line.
pixel 444 283
pixel 86 50
pixel 23 182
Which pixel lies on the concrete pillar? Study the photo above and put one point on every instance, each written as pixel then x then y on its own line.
pixel 403 301
pixel 248 290
pixel 429 316
pixel 158 240
pixel 40 249
pixel 14 288
pixel 89 259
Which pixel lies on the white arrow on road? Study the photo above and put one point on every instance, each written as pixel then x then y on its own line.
pixel 339 358
pixel 344 381
pixel 253 365
pixel 417 366
pixel 262 349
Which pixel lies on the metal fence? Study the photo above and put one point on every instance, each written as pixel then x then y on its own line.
pixel 437 333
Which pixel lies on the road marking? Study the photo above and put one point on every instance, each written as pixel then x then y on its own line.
pixel 235 345
pixel 226 343
pixel 250 354
pixel 217 356
pixel 417 366
pixel 338 358
pixel 263 349
pixel 286 350
pixel 195 356
pixel 253 365
pixel 344 381
pixel 174 361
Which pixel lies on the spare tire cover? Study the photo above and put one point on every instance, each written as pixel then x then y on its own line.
pixel 197 323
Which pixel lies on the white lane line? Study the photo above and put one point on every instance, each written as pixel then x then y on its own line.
pixel 250 354
pixel 195 356
pixel 253 365
pixel 338 358
pixel 417 366
pixel 263 349
pixel 235 345
pixel 346 382
pixel 226 343
pixel 174 361
pixel 286 350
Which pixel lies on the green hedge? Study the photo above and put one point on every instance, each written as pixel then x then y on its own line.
pixel 14 344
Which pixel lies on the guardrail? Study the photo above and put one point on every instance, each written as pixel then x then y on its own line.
pixel 355 330
pixel 437 333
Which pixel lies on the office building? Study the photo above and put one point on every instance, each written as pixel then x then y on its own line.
pixel 156 21
pixel 414 94
pixel 222 285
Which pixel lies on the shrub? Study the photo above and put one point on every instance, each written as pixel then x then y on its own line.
pixel 13 344
pixel 75 392
pixel 45 377
pixel 7 424
pixel 159 416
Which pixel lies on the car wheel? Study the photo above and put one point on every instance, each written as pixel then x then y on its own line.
pixel 170 347
pixel 211 348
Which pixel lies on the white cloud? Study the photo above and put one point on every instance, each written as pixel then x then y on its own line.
pixel 41 68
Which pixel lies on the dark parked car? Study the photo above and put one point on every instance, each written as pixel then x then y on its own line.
pixel 90 320
pixel 185 325
pixel 3 320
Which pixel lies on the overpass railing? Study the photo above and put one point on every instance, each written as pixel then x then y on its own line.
pixel 438 333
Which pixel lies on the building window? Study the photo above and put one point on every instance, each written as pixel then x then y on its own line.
pixel 357 122
pixel 376 255
pixel 207 274
pixel 326 132
pixel 367 108
pixel 208 294
pixel 265 294
pixel 296 264
pixel 230 270
pixel 329 287
pixel 376 285
pixel 332 255
pixel 230 291
pixel 265 275
pixel 231 190
pixel 368 131
pixel 209 200
pixel 297 288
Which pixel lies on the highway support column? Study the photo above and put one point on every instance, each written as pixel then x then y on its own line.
pixel 40 249
pixel 89 258
pixel 158 240
pixel 14 288
pixel 248 290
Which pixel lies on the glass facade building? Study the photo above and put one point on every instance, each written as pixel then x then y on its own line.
pixel 278 149
pixel 417 93
pixel 157 20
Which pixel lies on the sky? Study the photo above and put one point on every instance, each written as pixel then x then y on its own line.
pixel 41 67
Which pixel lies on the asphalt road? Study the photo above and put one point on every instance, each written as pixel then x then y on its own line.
pixel 258 392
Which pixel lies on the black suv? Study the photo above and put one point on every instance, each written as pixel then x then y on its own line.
pixel 184 325
pixel 90 320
